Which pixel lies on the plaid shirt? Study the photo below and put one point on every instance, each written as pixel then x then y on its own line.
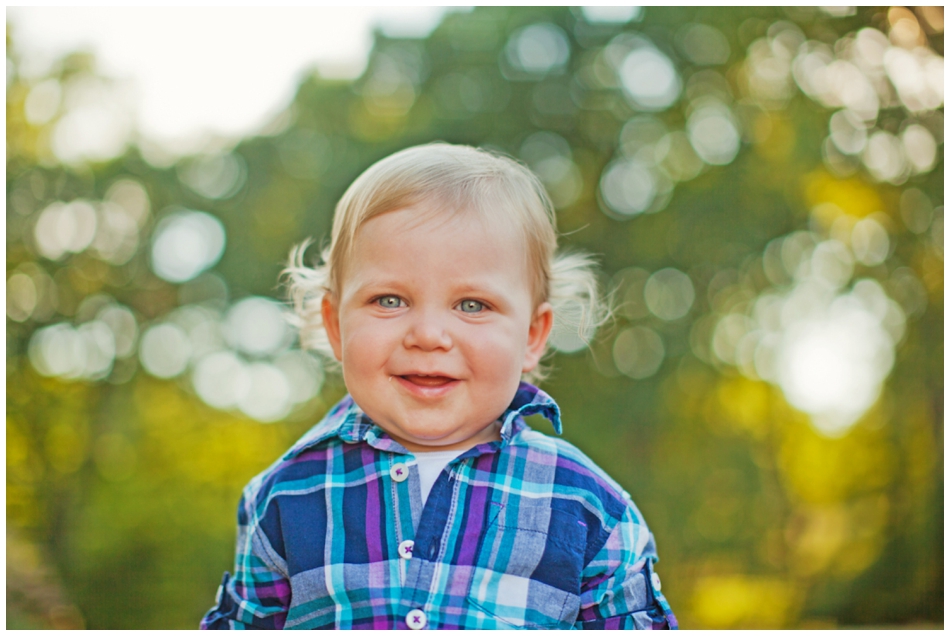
pixel 521 532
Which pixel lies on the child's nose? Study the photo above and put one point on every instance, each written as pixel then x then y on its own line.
pixel 427 332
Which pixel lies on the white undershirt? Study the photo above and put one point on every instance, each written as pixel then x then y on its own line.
pixel 431 464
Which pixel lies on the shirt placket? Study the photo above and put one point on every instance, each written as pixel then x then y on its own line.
pixel 421 531
pixel 428 537
pixel 400 481
pixel 404 478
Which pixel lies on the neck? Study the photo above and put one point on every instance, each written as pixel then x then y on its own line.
pixel 491 433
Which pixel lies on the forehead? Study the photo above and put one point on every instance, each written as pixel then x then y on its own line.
pixel 455 239
pixel 425 227
pixel 489 210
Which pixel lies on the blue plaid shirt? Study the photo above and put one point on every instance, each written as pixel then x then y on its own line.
pixel 522 532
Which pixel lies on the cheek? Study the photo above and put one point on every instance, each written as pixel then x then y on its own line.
pixel 366 343
pixel 499 351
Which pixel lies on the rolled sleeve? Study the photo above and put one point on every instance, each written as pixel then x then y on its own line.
pixel 258 595
pixel 620 590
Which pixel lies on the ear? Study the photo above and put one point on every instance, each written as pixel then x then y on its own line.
pixel 538 332
pixel 331 324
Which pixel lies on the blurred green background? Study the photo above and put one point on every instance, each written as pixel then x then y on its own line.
pixel 763 186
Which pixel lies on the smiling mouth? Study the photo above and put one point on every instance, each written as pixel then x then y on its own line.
pixel 427 381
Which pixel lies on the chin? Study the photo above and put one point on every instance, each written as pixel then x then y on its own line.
pixel 429 436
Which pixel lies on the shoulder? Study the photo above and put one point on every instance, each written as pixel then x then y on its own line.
pixel 575 475
pixel 572 462
pixel 304 463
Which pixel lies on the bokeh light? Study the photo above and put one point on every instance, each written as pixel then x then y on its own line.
pixel 919 147
pixel 97 123
pixel 220 378
pixel 648 77
pixel 669 294
pixel 65 227
pixel 628 285
pixel 916 210
pixel 267 394
pixel 638 352
pixel 864 73
pixel 43 102
pixel 703 44
pixel 677 158
pixel 828 348
pixel 870 242
pixel 165 350
pixel 121 321
pixel 185 244
pixel 549 156
pixel 713 134
pixel 611 14
pixel 256 326
pixel 832 365
pixel 848 132
pixel 390 88
pixel 70 353
pixel 34 297
pixel 629 187
pixel 247 346
pixel 21 297
pixel 214 176
pixel 538 49
pixel 304 374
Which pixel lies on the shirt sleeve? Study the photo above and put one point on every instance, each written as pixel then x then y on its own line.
pixel 619 588
pixel 258 595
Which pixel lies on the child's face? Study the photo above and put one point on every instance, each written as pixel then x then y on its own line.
pixel 434 325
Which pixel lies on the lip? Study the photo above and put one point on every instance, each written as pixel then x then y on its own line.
pixel 423 391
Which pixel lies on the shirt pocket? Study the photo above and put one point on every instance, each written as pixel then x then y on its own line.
pixel 525 575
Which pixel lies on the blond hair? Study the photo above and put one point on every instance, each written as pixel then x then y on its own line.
pixel 458 179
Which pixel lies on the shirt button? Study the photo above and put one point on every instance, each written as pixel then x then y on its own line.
pixel 656 582
pixel 399 472
pixel 405 548
pixel 416 619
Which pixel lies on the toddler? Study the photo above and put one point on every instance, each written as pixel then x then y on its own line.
pixel 423 500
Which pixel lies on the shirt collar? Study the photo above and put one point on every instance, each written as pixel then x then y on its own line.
pixel 347 421
pixel 529 400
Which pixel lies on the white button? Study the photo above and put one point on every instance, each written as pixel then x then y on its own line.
pixel 405 548
pixel 399 472
pixel 416 619
pixel 656 582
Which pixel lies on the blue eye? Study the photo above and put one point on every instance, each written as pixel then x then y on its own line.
pixel 471 306
pixel 389 302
